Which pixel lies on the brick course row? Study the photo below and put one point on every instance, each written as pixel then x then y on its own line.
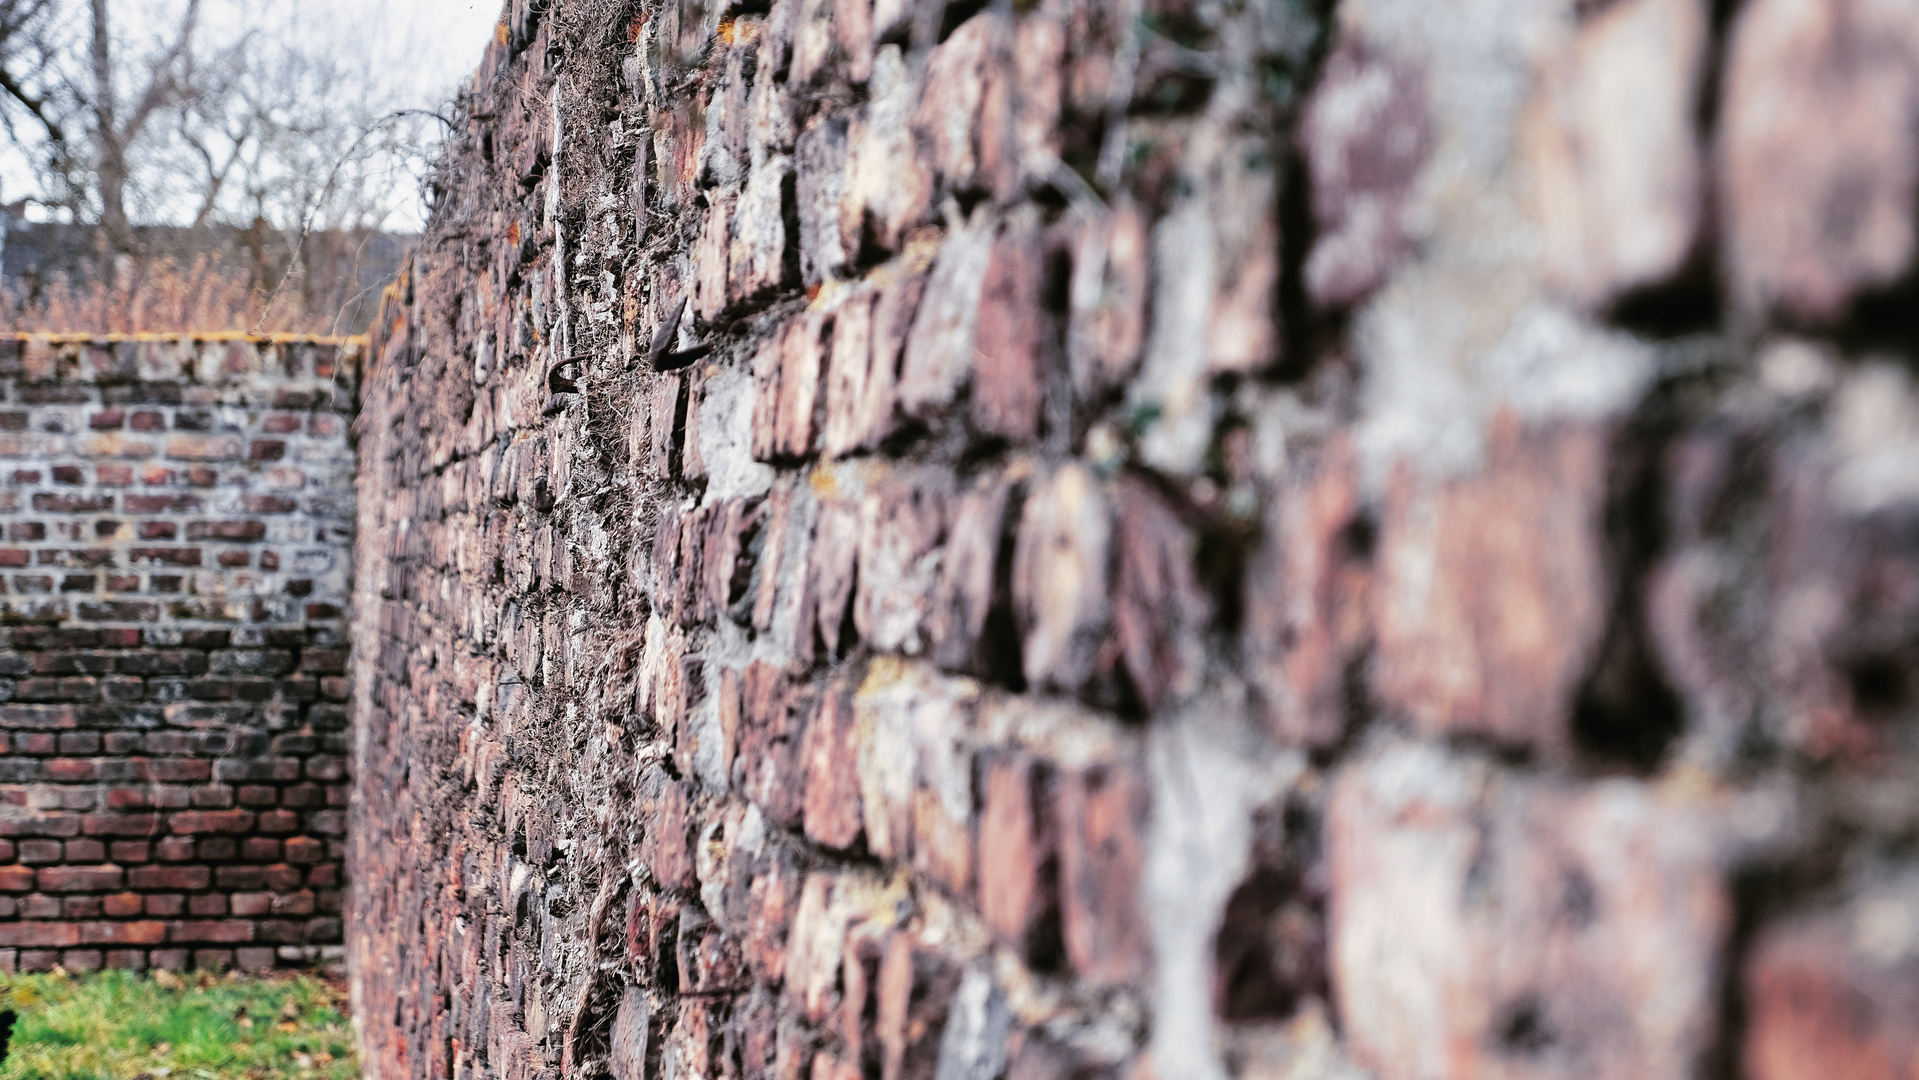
pixel 172 668
pixel 1371 539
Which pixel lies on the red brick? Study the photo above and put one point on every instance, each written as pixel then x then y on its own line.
pixel 260 849
pixel 166 556
pixel 40 851
pixel 1300 652
pixel 81 878
pixel 902 522
pixel 1366 135
pixel 1015 844
pixel 173 849
pixel 131 851
pixel 177 770
pixel 1511 904
pixel 1493 639
pixel 1102 861
pixel 831 753
pixel 81 851
pixel 169 877
pixel 910 985
pixel 298 903
pixel 1060 592
pixel 40 934
pixel 224 931
pixel 1012 350
pixel 204 448
pixel 244 532
pixel 772 726
pixel 165 905
pixel 255 903
pixel 671 857
pixel 121 824
pixel 1832 995
pixel 79 908
pixel 302 849
pixel 123 933
pixel 1818 109
pixel 124 905
pixel 190 822
pixel 1161 615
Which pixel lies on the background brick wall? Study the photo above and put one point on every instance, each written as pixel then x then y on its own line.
pixel 1265 539
pixel 177 519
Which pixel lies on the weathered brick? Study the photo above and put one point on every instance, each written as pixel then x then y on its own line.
pixel 123 933
pixel 42 934
pixel 1017 850
pixel 1817 168
pixel 204 448
pixel 830 751
pixel 1596 914
pixel 1494 636
pixel 902 523
pixel 1830 995
pixel 1015 339
pixel 80 878
pixel 209 930
pixel 1060 578
pixel 190 822
pixel 234 531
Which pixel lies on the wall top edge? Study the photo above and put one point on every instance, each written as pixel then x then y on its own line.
pixel 213 335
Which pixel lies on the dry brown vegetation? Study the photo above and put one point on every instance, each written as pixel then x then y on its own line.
pixel 161 296
pixel 326 292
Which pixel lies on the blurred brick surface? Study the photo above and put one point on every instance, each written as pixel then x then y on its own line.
pixel 1834 994
pixel 1274 540
pixel 1821 159
pixel 1574 933
pixel 175 649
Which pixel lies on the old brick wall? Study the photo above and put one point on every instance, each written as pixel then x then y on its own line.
pixel 177 520
pixel 1250 538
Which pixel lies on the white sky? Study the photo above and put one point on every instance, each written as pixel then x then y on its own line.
pixel 438 41
pixel 421 50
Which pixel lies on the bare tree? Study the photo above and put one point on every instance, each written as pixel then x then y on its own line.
pixel 114 125
pixel 269 157
pixel 143 110
pixel 25 50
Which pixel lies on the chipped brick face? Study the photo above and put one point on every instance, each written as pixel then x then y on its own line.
pixel 1360 540
pixel 177 522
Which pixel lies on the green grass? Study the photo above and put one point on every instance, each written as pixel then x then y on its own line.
pixel 120 1026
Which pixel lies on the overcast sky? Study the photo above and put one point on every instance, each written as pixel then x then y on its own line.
pixel 416 52
pixel 438 41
